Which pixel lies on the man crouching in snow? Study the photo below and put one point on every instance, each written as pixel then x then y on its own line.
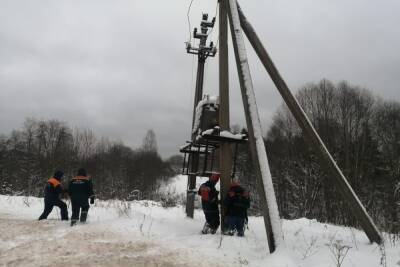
pixel 52 192
pixel 80 190
pixel 209 202
pixel 236 202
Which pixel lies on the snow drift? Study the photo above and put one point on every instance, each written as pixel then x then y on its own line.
pixel 143 233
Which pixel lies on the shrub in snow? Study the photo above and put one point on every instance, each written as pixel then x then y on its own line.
pixel 338 251
pixel 123 208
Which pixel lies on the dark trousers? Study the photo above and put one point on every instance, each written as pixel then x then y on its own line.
pixel 235 223
pixel 79 206
pixel 212 218
pixel 48 207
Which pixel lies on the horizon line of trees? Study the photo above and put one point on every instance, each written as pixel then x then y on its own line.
pixel 29 156
pixel 361 131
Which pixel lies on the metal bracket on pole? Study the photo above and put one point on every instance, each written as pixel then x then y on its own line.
pixel 203 51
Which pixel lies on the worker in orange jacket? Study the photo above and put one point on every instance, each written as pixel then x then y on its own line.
pixel 52 192
pixel 209 203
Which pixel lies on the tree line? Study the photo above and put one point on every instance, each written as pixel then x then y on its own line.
pixel 361 131
pixel 29 156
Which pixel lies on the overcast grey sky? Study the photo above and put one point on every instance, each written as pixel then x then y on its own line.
pixel 119 67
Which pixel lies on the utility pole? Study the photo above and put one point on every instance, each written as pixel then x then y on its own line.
pixel 225 155
pixel 203 52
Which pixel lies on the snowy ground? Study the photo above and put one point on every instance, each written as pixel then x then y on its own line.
pixel 145 234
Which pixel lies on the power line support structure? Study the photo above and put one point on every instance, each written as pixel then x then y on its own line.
pixel 203 52
pixel 225 160
pixel 239 24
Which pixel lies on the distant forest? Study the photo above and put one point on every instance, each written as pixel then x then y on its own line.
pixel 361 131
pixel 29 156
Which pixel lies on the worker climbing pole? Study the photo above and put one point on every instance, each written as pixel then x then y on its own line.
pixel 203 51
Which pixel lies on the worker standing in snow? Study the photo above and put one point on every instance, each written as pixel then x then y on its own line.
pixel 236 202
pixel 52 192
pixel 209 202
pixel 80 190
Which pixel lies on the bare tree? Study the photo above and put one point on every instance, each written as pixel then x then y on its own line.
pixel 363 136
pixel 150 142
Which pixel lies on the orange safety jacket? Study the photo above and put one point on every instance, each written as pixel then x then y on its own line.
pixel 54 182
pixel 53 189
pixel 81 178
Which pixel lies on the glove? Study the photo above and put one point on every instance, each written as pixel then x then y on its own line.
pixel 92 200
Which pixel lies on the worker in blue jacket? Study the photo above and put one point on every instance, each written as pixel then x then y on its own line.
pixel 80 191
pixel 236 202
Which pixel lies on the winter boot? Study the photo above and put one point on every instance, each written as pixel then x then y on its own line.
pixel 206 229
pixel 213 230
pixel 83 216
pixel 228 231
pixel 73 222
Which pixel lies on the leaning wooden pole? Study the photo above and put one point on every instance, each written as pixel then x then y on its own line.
pixel 323 154
pixel 266 189
pixel 225 155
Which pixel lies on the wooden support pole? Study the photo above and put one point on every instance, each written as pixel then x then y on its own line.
pixel 225 155
pixel 319 147
pixel 266 189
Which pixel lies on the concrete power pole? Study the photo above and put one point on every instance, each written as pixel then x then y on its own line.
pixel 203 52
pixel 225 148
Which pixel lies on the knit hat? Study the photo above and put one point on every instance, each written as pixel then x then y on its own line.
pixel 58 175
pixel 82 172
pixel 235 182
pixel 215 177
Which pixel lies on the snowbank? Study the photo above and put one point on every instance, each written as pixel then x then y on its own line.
pixel 142 233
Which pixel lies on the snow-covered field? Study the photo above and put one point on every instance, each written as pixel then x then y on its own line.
pixel 142 233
